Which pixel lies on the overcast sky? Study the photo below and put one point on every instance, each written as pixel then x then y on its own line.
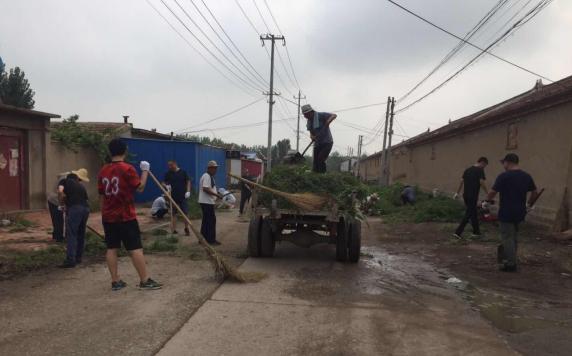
pixel 104 59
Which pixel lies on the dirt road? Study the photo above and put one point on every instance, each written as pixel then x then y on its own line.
pixel 385 305
pixel 396 301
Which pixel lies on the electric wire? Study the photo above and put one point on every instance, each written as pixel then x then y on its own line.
pixel 522 21
pixel 205 47
pixel 236 84
pixel 247 78
pixel 470 43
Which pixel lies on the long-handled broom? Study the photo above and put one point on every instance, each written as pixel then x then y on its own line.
pixel 222 268
pixel 305 201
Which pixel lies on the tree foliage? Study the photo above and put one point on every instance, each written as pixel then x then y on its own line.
pixel 74 136
pixel 15 89
pixel 280 150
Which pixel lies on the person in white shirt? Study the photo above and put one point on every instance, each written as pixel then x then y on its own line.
pixel 207 198
pixel 228 199
pixel 159 207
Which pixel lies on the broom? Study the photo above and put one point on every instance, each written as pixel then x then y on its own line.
pixel 222 268
pixel 304 201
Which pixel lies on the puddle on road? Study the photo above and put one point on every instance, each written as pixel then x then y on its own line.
pixel 506 313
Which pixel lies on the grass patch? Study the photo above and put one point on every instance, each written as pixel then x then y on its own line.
pixel 192 252
pixel 160 232
pixel 195 211
pixel 94 245
pixel 27 261
pixel 168 244
pixel 426 208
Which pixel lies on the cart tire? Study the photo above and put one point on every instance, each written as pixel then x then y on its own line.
pixel 354 243
pixel 254 236
pixel 267 242
pixel 342 242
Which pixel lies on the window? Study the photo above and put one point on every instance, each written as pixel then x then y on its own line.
pixel 512 137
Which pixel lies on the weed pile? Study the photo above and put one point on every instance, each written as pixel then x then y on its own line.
pixel 339 187
pixel 426 208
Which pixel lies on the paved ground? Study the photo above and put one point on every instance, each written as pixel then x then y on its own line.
pixel 74 312
pixel 309 304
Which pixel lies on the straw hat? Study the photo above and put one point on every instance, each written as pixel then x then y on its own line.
pixel 307 108
pixel 82 174
pixel 212 164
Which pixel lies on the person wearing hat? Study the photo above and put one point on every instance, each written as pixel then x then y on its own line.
pixel 208 195
pixel 512 185
pixel 74 196
pixel 318 123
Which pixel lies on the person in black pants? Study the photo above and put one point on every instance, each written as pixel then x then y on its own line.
pixel 472 181
pixel 207 199
pixel 318 123
pixel 180 184
pixel 56 210
pixel 74 195
pixel 245 191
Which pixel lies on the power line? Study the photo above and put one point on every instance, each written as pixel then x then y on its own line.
pixel 205 47
pixel 523 20
pixel 238 85
pixel 286 47
pixel 250 68
pixel 222 116
pixel 248 80
pixel 469 43
pixel 457 48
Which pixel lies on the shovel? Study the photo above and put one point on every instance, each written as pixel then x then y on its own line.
pixel 299 157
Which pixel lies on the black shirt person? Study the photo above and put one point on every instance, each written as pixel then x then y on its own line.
pixel 180 184
pixel 74 195
pixel 472 181
pixel 513 185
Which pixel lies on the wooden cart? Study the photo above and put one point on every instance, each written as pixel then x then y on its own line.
pixel 269 225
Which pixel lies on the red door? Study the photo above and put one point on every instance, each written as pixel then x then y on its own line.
pixel 11 164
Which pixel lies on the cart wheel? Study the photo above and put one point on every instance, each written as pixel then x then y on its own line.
pixel 254 236
pixel 342 242
pixel 267 242
pixel 354 243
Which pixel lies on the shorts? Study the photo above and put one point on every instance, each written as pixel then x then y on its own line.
pixel 126 232
pixel 183 205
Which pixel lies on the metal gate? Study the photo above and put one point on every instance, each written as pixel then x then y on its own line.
pixel 12 183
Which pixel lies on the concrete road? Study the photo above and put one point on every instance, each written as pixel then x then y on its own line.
pixel 311 305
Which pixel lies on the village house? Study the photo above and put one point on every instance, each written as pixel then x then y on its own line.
pixel 536 125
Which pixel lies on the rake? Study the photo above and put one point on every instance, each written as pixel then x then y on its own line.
pixel 304 201
pixel 222 268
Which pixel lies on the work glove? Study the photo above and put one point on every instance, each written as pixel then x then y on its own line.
pixel 167 187
pixel 485 204
pixel 456 196
pixel 144 166
pixel 187 195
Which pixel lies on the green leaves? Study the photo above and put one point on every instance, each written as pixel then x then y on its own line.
pixel 15 89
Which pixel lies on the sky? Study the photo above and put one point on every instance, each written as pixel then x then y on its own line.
pixel 104 59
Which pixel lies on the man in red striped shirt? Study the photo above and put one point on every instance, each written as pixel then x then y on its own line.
pixel 117 183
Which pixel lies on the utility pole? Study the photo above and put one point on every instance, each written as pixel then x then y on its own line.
pixel 360 141
pixel 272 39
pixel 388 149
pixel 383 152
pixel 298 127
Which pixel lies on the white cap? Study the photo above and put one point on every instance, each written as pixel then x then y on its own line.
pixel 212 164
pixel 307 108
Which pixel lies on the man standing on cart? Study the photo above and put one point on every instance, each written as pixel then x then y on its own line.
pixel 318 123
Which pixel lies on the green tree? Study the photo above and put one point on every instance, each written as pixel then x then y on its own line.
pixel 280 150
pixel 15 89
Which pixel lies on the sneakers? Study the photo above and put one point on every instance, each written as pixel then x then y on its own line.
pixel 476 235
pixel 457 236
pixel 508 268
pixel 187 232
pixel 175 232
pixel 216 243
pixel 118 285
pixel 149 285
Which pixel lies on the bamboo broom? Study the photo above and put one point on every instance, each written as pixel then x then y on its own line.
pixel 222 268
pixel 305 201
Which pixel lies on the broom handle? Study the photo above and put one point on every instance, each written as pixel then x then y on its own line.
pixel 179 210
pixel 95 231
pixel 259 186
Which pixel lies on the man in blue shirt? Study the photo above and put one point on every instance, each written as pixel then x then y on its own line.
pixel 512 185
pixel 318 123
